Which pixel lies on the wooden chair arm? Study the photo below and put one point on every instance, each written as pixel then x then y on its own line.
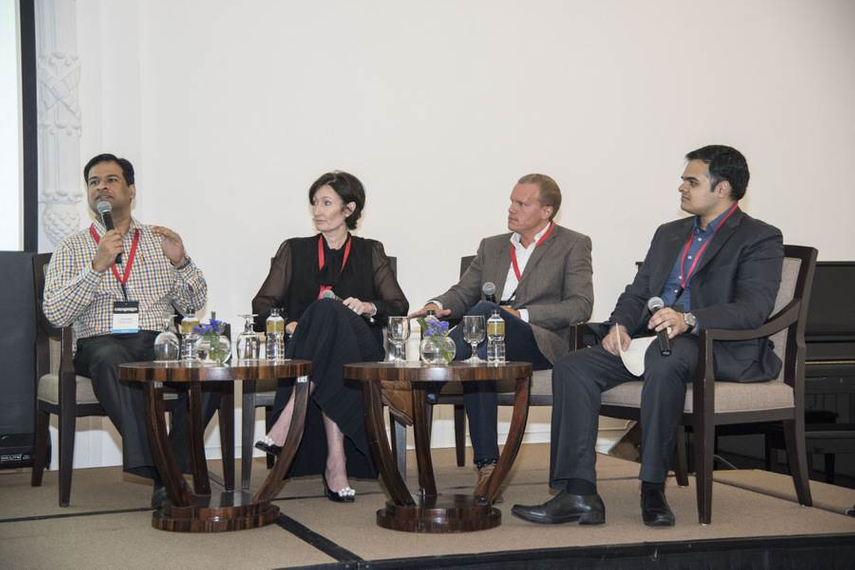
pixel 703 384
pixel 66 360
pixel 785 317
pixel 67 375
pixel 582 336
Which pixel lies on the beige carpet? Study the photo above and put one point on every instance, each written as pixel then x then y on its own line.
pixel 829 497
pixel 88 535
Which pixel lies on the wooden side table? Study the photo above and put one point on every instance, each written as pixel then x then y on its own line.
pixel 403 387
pixel 198 510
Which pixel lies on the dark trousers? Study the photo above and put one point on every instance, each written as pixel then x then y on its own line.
pixel 99 358
pixel 479 398
pixel 578 381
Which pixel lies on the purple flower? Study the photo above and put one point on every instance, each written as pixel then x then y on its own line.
pixel 436 328
pixel 212 327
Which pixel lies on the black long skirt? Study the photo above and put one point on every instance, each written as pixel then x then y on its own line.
pixel 331 335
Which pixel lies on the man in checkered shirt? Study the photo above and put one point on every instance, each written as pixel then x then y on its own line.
pixel 85 281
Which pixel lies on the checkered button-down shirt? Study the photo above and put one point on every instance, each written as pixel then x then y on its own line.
pixel 77 295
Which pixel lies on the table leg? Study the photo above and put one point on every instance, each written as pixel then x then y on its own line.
pixel 430 512
pixel 247 432
pixel 488 489
pixel 161 450
pixel 276 478
pixel 227 435
pixel 421 430
pixel 196 434
pixel 376 431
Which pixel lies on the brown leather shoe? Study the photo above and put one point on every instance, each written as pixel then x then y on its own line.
pixel 484 474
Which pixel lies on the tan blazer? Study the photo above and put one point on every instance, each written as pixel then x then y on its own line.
pixel 556 286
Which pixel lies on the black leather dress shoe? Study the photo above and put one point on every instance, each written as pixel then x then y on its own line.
pixel 563 508
pixel 654 508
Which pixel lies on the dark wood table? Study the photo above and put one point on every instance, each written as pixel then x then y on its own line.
pixel 403 387
pixel 197 510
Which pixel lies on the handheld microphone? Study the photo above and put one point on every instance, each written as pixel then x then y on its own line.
pixel 329 294
pixel 489 291
pixel 654 304
pixel 105 210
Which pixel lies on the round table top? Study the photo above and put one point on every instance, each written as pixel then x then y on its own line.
pixel 180 371
pixel 456 371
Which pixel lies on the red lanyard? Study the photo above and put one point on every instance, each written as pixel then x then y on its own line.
pixel 321 262
pixel 123 278
pixel 686 276
pixel 542 239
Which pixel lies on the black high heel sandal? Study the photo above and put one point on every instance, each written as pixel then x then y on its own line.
pixel 268 446
pixel 345 495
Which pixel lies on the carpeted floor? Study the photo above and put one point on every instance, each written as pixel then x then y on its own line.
pixel 108 524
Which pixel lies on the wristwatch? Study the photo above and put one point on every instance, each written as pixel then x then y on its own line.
pixel 690 320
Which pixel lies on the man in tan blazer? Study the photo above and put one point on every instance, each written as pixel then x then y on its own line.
pixel 543 278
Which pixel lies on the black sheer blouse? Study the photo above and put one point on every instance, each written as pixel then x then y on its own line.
pixel 294 279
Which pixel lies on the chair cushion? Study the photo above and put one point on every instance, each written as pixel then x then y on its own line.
pixel 729 396
pixel 541 383
pixel 49 389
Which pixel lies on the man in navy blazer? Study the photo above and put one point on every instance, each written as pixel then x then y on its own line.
pixel 720 268
pixel 543 278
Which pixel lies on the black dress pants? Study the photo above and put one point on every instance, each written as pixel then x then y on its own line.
pixel 480 398
pixel 99 357
pixel 578 381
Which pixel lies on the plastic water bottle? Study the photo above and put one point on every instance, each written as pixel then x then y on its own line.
pixel 189 338
pixel 495 338
pixel 275 332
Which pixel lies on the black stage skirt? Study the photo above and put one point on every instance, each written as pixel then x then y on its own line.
pixel 331 335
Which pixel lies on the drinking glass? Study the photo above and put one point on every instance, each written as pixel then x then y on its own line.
pixel 399 332
pixel 166 345
pixel 474 331
pixel 248 345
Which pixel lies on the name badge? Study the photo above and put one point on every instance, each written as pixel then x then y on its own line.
pixel 126 317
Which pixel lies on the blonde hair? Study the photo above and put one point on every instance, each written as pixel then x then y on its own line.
pixel 550 193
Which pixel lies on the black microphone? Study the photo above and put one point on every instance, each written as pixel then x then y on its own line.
pixel 654 304
pixel 105 210
pixel 489 291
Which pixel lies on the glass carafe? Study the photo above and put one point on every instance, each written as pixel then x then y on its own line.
pixel 247 345
pixel 167 346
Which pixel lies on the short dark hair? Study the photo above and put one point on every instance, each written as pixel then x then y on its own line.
pixel 725 163
pixel 550 193
pixel 127 167
pixel 349 189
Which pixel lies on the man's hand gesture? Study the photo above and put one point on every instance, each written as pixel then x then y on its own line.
pixel 170 242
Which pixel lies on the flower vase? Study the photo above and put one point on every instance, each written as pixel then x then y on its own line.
pixel 213 348
pixel 437 349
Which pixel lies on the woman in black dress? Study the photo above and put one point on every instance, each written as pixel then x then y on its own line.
pixel 330 332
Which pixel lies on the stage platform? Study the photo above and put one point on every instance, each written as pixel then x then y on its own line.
pixel 756 524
